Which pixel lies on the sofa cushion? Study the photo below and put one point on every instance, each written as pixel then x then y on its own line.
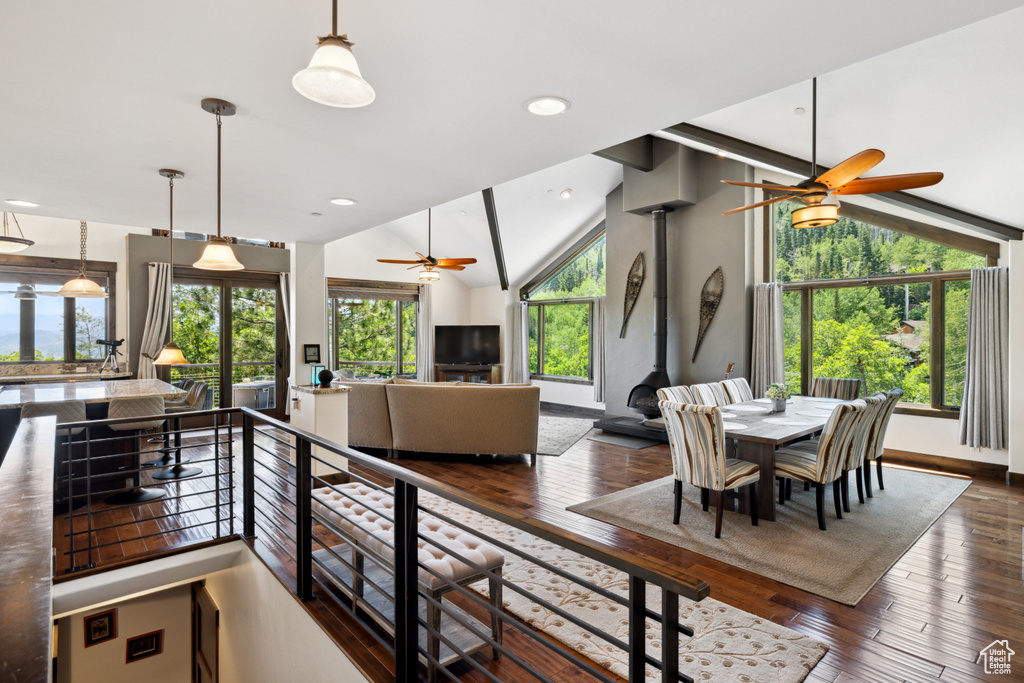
pixel 400 380
pixel 369 424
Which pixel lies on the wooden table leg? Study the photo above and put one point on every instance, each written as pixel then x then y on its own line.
pixel 763 455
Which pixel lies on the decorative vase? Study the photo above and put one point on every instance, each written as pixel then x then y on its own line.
pixel 325 378
pixel 778 405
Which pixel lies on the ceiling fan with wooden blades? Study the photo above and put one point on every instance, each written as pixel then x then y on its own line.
pixel 428 262
pixel 819 191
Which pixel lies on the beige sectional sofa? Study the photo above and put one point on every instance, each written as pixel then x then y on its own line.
pixel 444 418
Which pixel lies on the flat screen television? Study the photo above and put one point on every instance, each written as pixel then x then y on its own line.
pixel 467 344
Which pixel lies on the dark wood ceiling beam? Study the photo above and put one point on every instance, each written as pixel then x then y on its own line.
pixel 979 224
pixel 637 153
pixel 492 224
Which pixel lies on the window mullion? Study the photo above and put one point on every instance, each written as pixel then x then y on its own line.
pixel 937 369
pixel 806 340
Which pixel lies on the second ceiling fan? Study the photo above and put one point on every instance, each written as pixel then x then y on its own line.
pixel 819 191
pixel 428 262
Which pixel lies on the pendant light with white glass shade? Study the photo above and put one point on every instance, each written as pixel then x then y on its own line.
pixel 82 287
pixel 333 77
pixel 9 244
pixel 171 354
pixel 218 254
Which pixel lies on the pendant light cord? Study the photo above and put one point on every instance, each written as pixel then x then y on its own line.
pixel 430 232
pixel 218 176
pixel 81 268
pixel 334 17
pixel 170 259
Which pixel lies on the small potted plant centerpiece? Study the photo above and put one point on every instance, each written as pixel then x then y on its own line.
pixel 778 395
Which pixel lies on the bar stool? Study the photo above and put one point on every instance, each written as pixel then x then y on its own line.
pixel 193 401
pixel 143 406
pixel 65 411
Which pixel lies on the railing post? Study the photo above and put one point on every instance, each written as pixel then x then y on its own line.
pixel 637 625
pixel 406 575
pixel 248 477
pixel 669 636
pixel 303 519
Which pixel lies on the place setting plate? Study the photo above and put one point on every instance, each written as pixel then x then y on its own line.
pixel 792 421
pixel 733 426
pixel 746 409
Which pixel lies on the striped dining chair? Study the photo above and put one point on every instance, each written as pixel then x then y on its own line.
pixel 876 444
pixel 738 390
pixel 820 462
pixel 697 441
pixel 710 394
pixel 679 394
pixel 858 447
pixel 829 387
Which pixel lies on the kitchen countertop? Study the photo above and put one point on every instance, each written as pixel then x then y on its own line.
pixel 91 392
pixel 63 377
pixel 316 389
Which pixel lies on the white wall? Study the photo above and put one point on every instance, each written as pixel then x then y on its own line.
pixel 59 238
pixel 265 634
pixel 308 306
pixel 169 610
pixel 1015 260
pixel 356 257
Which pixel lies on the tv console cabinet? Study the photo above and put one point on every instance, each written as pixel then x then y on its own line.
pixel 479 374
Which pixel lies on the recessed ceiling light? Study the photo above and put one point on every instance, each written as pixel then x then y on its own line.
pixel 799 111
pixel 462 213
pixel 566 193
pixel 21 202
pixel 547 105
pixel 342 201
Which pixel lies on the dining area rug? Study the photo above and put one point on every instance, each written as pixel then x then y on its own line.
pixel 555 435
pixel 841 564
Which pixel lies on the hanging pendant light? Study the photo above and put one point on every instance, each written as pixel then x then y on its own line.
pixel 171 354
pixel 82 287
pixel 333 77
pixel 9 244
pixel 218 254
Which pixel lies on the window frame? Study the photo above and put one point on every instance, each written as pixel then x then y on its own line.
pixel 66 269
pixel 398 293
pixel 937 336
pixel 537 281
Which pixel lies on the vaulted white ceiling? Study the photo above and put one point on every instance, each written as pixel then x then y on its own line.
pixel 96 96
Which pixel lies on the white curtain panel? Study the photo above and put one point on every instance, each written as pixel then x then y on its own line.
pixel 983 411
pixel 597 349
pixel 519 372
pixel 285 303
pixel 154 334
pixel 767 360
pixel 424 337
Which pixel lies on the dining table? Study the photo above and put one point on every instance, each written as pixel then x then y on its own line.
pixel 758 432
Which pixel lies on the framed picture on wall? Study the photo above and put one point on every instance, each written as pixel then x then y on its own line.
pixel 100 627
pixel 311 353
pixel 146 645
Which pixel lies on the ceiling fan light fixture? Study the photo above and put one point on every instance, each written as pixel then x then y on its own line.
pixel 25 293
pixel 218 255
pixel 815 216
pixel 428 274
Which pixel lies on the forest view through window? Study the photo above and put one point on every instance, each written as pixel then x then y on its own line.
pixel 561 311
pixel 373 332
pixel 879 300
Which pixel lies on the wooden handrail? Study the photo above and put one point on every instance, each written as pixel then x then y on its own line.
pixel 26 536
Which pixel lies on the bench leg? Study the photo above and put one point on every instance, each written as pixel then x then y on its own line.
pixel 494 588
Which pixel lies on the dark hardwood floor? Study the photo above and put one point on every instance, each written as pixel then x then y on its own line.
pixel 956 590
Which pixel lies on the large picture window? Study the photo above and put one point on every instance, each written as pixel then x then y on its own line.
pixel 373 327
pixel 561 302
pixel 36 325
pixel 876 304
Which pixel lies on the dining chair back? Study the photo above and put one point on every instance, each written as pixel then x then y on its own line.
pixel 697 442
pixel 678 394
pixel 857 449
pixel 830 387
pixel 876 442
pixel 710 394
pixel 738 390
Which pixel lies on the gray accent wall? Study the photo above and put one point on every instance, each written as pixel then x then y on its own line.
pixel 699 240
pixel 144 249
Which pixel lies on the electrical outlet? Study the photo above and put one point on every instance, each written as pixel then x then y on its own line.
pixel 81 368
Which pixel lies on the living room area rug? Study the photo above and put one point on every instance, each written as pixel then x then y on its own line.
pixel 728 644
pixel 555 435
pixel 841 564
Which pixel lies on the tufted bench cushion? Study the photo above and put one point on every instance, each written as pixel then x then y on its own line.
pixel 364 517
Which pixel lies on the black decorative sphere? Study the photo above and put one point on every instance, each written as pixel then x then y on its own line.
pixel 325 377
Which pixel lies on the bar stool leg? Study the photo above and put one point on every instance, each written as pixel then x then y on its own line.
pixel 136 494
pixel 179 471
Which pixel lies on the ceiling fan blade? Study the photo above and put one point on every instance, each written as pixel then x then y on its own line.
pixel 889 183
pixel 389 260
pixel 422 257
pixel 450 267
pixel 455 261
pixel 764 186
pixel 845 171
pixel 418 265
pixel 754 206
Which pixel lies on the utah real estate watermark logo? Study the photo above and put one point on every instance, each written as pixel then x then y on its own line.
pixel 996 657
